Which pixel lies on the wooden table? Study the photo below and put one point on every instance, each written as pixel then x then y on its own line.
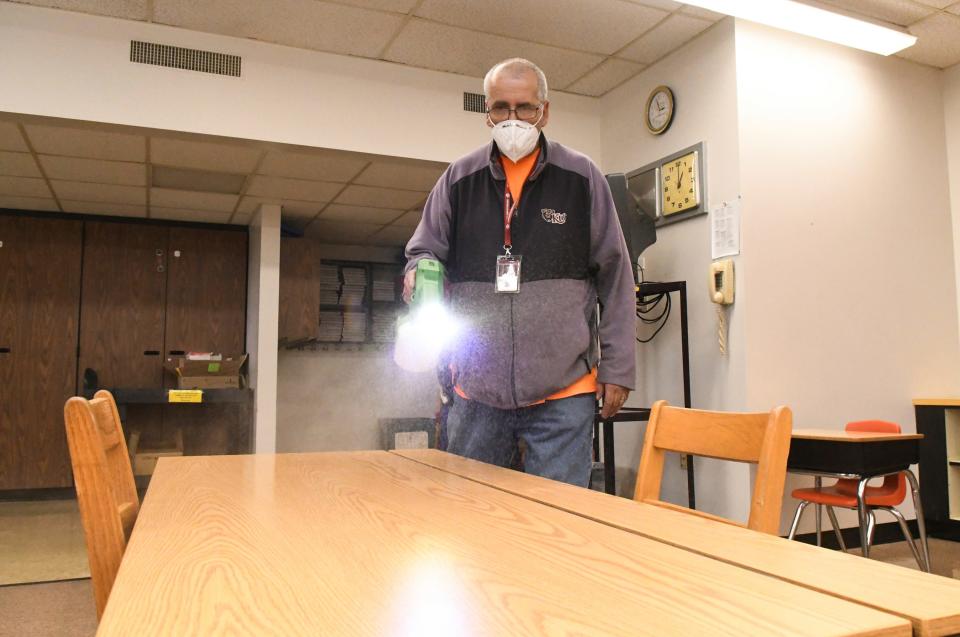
pixel 861 456
pixel 930 602
pixel 375 543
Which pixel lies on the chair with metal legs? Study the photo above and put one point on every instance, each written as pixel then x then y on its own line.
pixel 846 493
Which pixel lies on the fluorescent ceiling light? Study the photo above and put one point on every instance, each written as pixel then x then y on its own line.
pixel 815 22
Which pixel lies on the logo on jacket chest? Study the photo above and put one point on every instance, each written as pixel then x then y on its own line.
pixel 552 216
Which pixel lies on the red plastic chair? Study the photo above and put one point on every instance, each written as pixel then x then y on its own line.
pixel 843 493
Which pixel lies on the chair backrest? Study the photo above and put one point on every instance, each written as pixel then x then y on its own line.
pixel 759 438
pixel 895 485
pixel 106 490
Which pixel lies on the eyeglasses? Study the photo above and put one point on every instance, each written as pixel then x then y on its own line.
pixel 526 112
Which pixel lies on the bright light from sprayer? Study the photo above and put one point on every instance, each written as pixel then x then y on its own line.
pixel 423 335
pixel 815 22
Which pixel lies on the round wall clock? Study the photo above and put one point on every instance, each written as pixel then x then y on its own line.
pixel 659 111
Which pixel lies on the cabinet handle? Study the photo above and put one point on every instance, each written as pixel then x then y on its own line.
pixel 152 352
pixel 177 352
pixel 4 350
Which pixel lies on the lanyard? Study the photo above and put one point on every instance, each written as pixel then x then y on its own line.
pixel 509 210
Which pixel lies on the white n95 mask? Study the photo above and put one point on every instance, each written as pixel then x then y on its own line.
pixel 515 138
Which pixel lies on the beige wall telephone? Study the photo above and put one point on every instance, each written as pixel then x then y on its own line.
pixel 721 281
pixel 722 293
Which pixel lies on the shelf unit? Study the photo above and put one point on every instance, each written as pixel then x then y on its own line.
pixel 939 422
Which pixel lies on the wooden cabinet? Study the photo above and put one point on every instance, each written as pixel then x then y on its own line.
pixel 122 309
pixel 299 291
pixel 206 291
pixel 39 313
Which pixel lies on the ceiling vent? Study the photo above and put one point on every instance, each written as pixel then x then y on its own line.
pixel 176 57
pixel 474 103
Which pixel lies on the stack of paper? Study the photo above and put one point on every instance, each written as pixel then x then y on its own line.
pixel 384 324
pixel 331 326
pixel 354 327
pixel 383 284
pixel 329 285
pixel 354 289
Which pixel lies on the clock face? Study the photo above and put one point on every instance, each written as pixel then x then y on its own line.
pixel 659 110
pixel 680 184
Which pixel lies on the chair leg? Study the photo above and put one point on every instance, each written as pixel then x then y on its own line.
pixel 906 534
pixel 836 528
pixel 921 526
pixel 862 515
pixel 817 484
pixel 796 519
pixel 871 526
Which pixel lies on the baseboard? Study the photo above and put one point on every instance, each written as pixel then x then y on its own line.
pixel 884 533
pixel 58 493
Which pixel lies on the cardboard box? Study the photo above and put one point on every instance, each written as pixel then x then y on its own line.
pixel 209 374
pixel 145 460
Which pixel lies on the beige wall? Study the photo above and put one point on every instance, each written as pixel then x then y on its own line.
pixel 847 232
pixel 703 77
pixel 951 111
pixel 76 66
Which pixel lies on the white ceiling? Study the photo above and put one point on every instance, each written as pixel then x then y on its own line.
pixel 584 46
pixel 335 196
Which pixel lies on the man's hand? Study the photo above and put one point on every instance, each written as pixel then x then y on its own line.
pixel 409 280
pixel 613 398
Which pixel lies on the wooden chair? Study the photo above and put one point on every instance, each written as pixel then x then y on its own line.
pixel 762 439
pixel 105 487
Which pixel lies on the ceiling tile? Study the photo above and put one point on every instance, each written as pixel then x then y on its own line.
pixel 91 143
pixel 18 165
pixel 706 14
pixel 129 9
pixel 241 219
pixel 664 38
pixel 298 189
pixel 938 42
pixel 112 209
pixel 167 198
pixel 899 12
pixel 444 48
pixel 196 180
pixel 23 187
pixel 340 167
pixel 336 232
pixel 301 23
pixel 361 214
pixel 610 74
pixel 11 139
pixel 94 170
pixel 107 193
pixel 249 205
pixel 380 197
pixel 600 26
pixel 955 9
pixel 411 219
pixel 27 203
pixel 407 176
pixel 397 6
pixel 182 214
pixel 226 158
pixel 391 236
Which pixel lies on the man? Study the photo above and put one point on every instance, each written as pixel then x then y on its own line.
pixel 530 238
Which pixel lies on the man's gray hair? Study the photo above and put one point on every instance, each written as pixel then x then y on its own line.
pixel 517 66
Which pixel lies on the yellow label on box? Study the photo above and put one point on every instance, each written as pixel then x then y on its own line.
pixel 185 396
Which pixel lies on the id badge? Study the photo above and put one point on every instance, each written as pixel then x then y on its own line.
pixel 508 274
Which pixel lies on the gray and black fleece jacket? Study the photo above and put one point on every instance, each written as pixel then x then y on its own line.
pixel 517 349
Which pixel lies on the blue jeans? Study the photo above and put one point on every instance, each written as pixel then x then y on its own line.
pixel 558 435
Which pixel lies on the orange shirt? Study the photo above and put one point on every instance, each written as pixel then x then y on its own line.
pixel 517 173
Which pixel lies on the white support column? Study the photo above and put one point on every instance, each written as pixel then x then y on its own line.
pixel 263 311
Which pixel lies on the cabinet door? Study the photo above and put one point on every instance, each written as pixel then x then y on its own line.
pixel 39 313
pixel 122 311
pixel 299 290
pixel 206 291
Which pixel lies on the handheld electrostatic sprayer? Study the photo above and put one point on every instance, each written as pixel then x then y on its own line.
pixel 427 328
